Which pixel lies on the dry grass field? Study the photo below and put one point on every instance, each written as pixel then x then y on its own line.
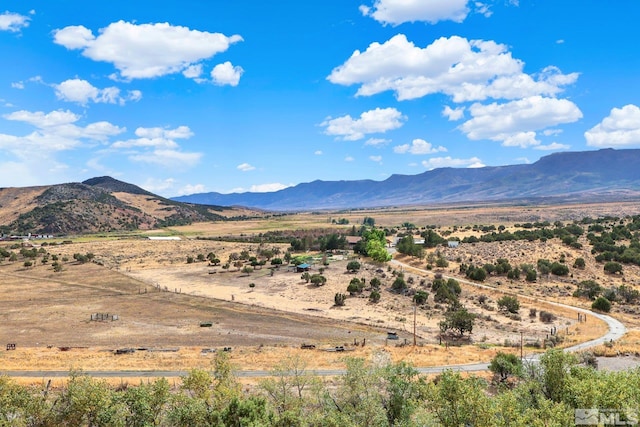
pixel 161 300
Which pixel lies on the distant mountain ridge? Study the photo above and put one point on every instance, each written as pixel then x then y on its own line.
pixel 602 174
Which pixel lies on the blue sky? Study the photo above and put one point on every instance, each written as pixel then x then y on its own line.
pixel 229 96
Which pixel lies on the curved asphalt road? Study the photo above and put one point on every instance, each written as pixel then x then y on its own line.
pixel 616 331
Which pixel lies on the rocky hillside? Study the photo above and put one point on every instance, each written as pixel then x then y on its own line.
pixel 96 205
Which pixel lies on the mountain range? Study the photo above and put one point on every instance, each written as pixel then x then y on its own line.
pixel 605 174
pixel 106 204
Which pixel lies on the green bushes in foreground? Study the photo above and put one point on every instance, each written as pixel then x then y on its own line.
pixel 365 395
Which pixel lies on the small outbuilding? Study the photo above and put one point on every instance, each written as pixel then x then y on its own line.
pixel 302 267
pixel 453 243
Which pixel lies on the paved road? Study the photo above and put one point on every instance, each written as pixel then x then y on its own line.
pixel 616 331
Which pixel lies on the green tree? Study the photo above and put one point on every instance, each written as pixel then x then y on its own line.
pixel 420 297
pixel 318 279
pixel 579 263
pixel 355 286
pixel 339 299
pixel 375 245
pixel 369 221
pixel 531 275
pixel 407 246
pixel 556 365
pixel 353 266
pixel 505 365
pixel 146 403
pixel 374 296
pixel 559 269
pixel 399 284
pixel 601 304
pixel 86 401
pixel 457 401
pixel 613 267
pixel 286 386
pixel 457 319
pixel 509 303
pixel 306 276
pixel 588 289
pixel 446 291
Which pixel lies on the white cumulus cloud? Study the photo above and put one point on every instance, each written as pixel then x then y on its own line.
pixel 554 146
pixel 376 141
pixel 134 49
pixel 621 128
pixel 453 114
pixel 514 123
pixel 155 137
pixel 418 146
pixel 81 92
pixel 168 158
pixel 466 70
pixel 158 146
pixel 226 74
pixel 245 167
pixel 377 159
pixel 268 188
pixel 53 132
pixel 379 120
pixel 396 12
pixel 444 162
pixel 13 22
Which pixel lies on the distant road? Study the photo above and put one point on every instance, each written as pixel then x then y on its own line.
pixel 616 331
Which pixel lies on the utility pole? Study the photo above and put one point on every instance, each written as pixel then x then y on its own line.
pixel 415 306
pixel 521 347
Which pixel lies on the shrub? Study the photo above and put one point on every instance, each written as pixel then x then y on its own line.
pixel 588 289
pixel 399 284
pixel 374 296
pixel 559 269
pixel 579 263
pixel 318 279
pixel 532 276
pixel 442 263
pixel 601 304
pixel 479 274
pixel 546 316
pixel 420 297
pixel 509 303
pixel 533 312
pixel 339 299
pixel 353 266
pixel 613 267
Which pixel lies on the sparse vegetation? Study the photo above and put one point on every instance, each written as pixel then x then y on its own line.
pixel 601 304
pixel 509 304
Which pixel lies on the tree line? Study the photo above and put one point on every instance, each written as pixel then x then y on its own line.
pixel 388 394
